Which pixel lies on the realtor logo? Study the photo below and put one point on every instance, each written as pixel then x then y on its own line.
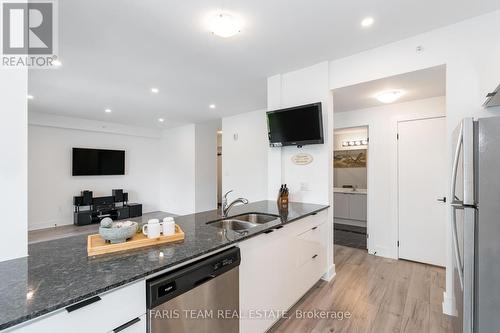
pixel 28 33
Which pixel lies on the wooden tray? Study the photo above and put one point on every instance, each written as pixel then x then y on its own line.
pixel 96 245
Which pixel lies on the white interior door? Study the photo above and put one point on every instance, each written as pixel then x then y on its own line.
pixel 422 183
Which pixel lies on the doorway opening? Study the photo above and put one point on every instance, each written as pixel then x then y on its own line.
pixel 350 158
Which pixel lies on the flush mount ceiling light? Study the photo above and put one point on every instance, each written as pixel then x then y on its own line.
pixel 367 22
pixel 212 106
pixel 107 110
pixel 161 120
pixel 155 90
pixel 224 24
pixel 390 96
pixel 30 97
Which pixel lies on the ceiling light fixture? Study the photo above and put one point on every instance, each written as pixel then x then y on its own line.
pixel 107 110
pixel 212 106
pixel 155 90
pixel 161 120
pixel 224 24
pixel 367 22
pixel 30 97
pixel 389 96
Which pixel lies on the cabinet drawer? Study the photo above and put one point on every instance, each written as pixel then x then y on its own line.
pixel 102 313
pixel 311 243
pixel 311 272
pixel 136 325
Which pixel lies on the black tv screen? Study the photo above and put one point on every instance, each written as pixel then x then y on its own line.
pixel 98 162
pixel 297 126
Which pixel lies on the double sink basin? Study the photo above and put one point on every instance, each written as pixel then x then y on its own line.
pixel 244 221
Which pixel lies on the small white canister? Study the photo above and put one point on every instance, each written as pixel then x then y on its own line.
pixel 168 226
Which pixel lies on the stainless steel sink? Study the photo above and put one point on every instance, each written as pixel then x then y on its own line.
pixel 244 221
pixel 256 218
pixel 232 224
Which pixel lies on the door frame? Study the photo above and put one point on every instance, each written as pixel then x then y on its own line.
pixel 397 169
pixel 368 229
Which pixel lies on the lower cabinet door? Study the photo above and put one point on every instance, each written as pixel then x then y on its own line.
pixel 263 270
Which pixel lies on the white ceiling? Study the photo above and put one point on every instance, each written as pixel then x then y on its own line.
pixel 421 84
pixel 114 51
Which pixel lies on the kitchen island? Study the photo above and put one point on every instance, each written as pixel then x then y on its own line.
pixel 58 273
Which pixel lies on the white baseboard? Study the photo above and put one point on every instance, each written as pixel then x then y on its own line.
pixel 384 252
pixel 330 274
pixel 47 224
pixel 449 304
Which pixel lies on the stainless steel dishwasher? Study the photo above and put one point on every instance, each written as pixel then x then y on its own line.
pixel 200 297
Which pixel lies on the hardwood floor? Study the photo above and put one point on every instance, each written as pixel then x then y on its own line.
pixel 382 295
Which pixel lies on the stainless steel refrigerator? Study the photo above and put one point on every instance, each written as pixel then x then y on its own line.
pixel 475 193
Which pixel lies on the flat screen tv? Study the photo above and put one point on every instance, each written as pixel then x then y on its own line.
pixel 297 126
pixel 98 162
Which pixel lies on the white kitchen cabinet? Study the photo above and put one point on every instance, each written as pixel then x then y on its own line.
pixel 136 325
pixel 357 207
pixel 350 206
pixel 341 205
pixel 102 314
pixel 278 268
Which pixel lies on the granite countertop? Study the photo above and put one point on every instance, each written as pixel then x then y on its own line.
pixel 349 190
pixel 58 273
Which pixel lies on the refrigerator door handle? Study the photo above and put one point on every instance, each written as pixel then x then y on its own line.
pixel 458 257
pixel 456 160
pixel 468 268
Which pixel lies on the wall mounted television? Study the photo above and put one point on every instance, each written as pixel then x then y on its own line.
pixel 98 162
pixel 296 126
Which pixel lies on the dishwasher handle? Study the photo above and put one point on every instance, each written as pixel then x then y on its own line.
pixel 167 286
pixel 204 279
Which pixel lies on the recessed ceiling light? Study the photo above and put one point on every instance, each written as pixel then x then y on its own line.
pixel 161 120
pixel 224 24
pixel 390 96
pixel 367 22
pixel 155 90
pixel 212 106
pixel 56 63
pixel 107 110
pixel 30 97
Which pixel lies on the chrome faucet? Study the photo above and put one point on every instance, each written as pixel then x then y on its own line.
pixel 226 207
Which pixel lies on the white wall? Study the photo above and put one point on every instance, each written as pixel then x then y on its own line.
pixel 51 186
pixel 312 183
pixel 244 160
pixel 177 163
pixel 206 165
pixel 382 164
pixel 13 163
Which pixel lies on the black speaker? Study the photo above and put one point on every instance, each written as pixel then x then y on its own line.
pixel 78 201
pixel 118 195
pixel 122 213
pixel 135 210
pixel 82 218
pixel 87 198
pixel 125 197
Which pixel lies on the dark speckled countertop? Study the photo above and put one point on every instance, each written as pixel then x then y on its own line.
pixel 58 273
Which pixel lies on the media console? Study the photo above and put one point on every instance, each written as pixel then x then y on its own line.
pixel 115 206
